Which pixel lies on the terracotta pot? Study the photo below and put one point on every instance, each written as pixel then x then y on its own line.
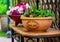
pixel 16 18
pixel 37 24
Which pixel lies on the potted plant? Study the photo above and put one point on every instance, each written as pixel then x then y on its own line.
pixel 16 11
pixel 38 20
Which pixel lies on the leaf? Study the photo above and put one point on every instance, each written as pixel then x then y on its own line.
pixel 26 12
pixel 3 8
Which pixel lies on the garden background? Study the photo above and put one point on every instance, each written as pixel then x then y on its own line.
pixel 4 4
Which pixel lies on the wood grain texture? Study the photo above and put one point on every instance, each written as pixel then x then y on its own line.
pixel 21 30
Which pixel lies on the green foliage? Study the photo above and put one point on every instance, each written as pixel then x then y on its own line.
pixel 26 12
pixel 3 6
pixel 3 9
pixel 2 34
pixel 3 2
pixel 41 12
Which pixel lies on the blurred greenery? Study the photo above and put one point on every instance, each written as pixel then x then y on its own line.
pixel 2 34
pixel 3 9
pixel 3 6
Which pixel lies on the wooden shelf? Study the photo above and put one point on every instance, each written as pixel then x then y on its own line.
pixel 21 30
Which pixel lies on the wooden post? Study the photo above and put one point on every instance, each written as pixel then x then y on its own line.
pixel 37 3
pixel 12 2
pixel 8 4
pixel 59 14
pixel 19 1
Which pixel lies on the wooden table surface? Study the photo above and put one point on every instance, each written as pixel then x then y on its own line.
pixel 21 30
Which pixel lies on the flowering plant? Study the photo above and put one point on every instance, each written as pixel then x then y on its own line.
pixel 17 9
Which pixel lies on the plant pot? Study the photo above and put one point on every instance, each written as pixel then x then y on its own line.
pixel 16 18
pixel 36 24
pixel 4 23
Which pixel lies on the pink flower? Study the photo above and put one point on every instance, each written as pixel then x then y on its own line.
pixel 17 10
pixel 22 5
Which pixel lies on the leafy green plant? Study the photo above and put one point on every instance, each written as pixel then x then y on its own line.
pixel 2 34
pixel 3 9
pixel 3 6
pixel 39 12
